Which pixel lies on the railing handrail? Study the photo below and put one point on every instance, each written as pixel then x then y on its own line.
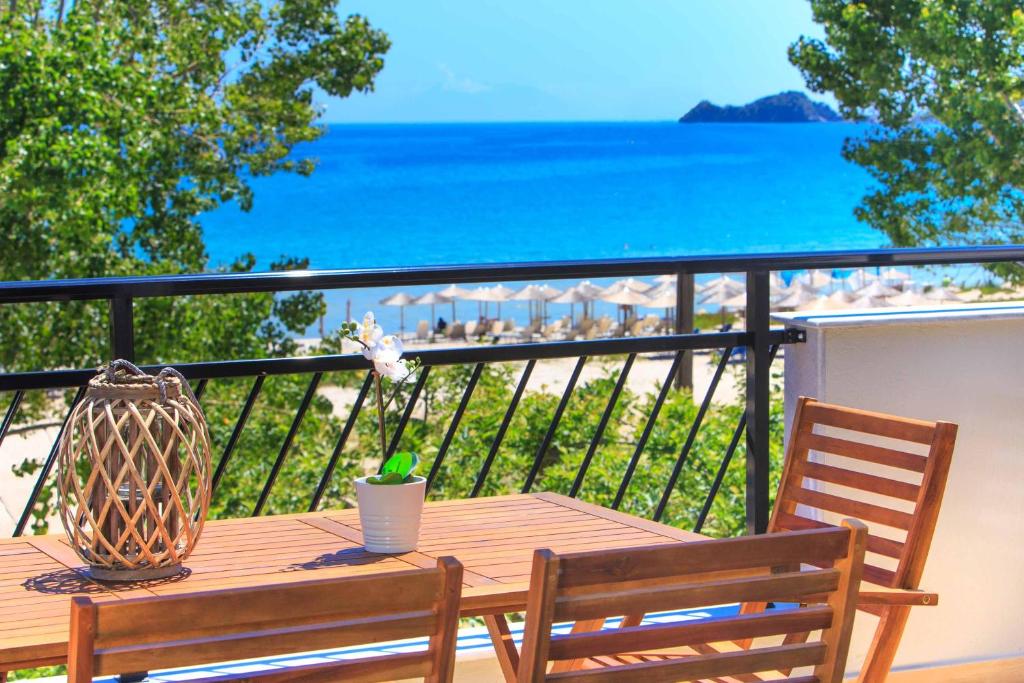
pixel 20 291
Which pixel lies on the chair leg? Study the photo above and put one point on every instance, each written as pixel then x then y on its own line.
pixel 884 645
pixel 504 646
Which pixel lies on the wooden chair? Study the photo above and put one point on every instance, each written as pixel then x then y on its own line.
pixel 590 587
pixel 240 623
pixel 916 480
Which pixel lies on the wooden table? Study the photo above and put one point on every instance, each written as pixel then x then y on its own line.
pixel 493 537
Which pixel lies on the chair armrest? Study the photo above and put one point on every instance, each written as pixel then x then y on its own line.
pixel 882 596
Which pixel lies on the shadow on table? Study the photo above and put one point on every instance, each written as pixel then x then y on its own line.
pixel 341 558
pixel 78 581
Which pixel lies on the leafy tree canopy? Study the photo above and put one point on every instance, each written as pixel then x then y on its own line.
pixel 121 122
pixel 944 80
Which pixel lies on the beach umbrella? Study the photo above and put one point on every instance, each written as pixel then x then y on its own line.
pixel 662 289
pixel 629 283
pixel 666 298
pixel 572 296
pixel 876 289
pixel 841 298
pixel 400 299
pixel 797 298
pixel 868 301
pixel 588 288
pixel 530 293
pixel 908 298
pixel 496 294
pixel 942 294
pixel 723 282
pixel 776 280
pixel 664 279
pixel 816 279
pixel 626 296
pixel 893 275
pixel 431 299
pixel 860 278
pixel 453 292
pixel 820 303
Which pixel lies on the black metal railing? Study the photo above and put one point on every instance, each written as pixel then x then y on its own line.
pixel 759 341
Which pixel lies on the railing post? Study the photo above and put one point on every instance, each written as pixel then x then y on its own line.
pixel 684 325
pixel 758 397
pixel 122 328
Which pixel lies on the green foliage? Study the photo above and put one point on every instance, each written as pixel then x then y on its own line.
pixel 120 123
pixel 944 80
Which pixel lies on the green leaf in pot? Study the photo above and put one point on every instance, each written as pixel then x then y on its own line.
pixel 401 463
pixel 386 479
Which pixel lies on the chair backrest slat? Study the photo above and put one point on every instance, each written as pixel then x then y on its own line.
pixel 225 625
pixel 886 470
pixel 594 586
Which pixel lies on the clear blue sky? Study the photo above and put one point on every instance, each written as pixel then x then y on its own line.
pixel 537 60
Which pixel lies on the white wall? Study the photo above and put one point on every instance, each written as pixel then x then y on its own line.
pixel 963 365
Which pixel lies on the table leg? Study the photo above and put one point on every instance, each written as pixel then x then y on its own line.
pixel 582 626
pixel 504 646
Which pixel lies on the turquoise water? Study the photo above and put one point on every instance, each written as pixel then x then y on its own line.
pixel 468 193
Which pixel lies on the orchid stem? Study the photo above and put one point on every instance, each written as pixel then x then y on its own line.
pixel 380 417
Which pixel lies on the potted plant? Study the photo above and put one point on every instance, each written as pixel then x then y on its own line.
pixel 391 501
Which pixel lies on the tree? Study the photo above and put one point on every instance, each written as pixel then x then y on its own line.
pixel 943 80
pixel 121 122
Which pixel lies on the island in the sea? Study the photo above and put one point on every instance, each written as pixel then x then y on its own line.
pixel 786 107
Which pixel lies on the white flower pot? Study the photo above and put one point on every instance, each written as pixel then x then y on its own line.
pixel 390 515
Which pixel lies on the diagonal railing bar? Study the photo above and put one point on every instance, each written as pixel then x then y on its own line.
pixel 577 484
pixel 409 407
pixel 666 387
pixel 12 410
pixel 287 444
pixel 44 474
pixel 453 427
pixel 200 389
pixel 500 436
pixel 545 443
pixel 729 452
pixel 350 423
pixel 236 433
pixel 692 436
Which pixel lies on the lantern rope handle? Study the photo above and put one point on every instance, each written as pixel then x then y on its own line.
pixel 159 379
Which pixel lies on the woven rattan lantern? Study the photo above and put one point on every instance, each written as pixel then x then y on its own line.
pixel 134 473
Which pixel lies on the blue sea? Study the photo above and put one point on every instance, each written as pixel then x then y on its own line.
pixel 429 194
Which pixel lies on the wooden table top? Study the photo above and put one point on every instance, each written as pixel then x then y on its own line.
pixel 494 538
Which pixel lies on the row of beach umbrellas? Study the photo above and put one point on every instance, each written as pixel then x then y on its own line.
pixel 814 289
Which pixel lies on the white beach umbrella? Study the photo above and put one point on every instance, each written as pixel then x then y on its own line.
pixel 400 299
pixel 662 279
pixel 453 292
pixel 868 301
pixel 841 298
pixel 723 282
pixel 737 301
pixel 876 289
pixel 816 279
pixel 908 298
pixel 572 296
pixel 860 278
pixel 820 303
pixel 548 292
pixel 665 287
pixel 630 283
pixel 431 299
pixel 795 299
pixel 942 294
pixel 626 296
pixel 528 293
pixel 663 299
pixel 588 288
pixel 894 275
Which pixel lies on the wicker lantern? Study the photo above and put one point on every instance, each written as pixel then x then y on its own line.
pixel 134 473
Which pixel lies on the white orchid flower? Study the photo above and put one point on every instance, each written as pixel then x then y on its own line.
pixel 397 370
pixel 388 349
pixel 370 334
